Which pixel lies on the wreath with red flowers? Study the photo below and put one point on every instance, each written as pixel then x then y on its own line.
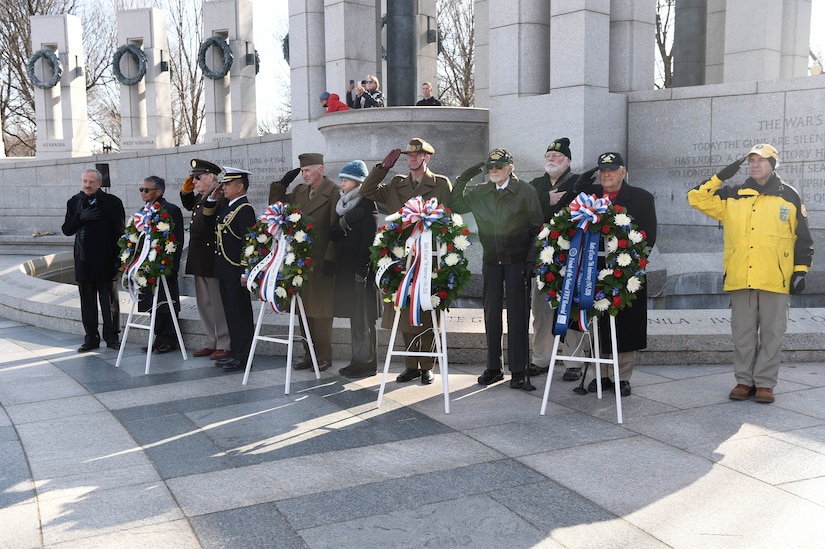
pixel 147 248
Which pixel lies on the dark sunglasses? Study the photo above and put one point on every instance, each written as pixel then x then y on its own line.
pixel 147 189
pixel 198 177
pixel 496 166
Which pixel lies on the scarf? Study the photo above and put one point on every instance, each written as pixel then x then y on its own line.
pixel 349 199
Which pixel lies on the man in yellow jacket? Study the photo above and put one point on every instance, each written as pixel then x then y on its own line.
pixel 768 250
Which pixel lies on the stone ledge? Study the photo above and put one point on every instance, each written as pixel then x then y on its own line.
pixel 674 336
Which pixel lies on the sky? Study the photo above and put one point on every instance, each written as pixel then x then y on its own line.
pixel 272 22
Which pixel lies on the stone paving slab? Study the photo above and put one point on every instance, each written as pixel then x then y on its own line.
pixel 95 456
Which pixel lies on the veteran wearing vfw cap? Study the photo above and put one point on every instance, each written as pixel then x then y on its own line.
pixel 631 322
pixel 420 181
pixel 204 177
pixel 317 197
pixel 768 251
pixel 233 217
pixel 508 216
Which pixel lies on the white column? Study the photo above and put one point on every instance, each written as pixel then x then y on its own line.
pixel 146 106
pixel 796 31
pixel 62 118
pixel 230 100
pixel 753 40
pixel 632 42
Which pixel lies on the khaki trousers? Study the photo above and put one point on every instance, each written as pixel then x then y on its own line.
pixel 758 322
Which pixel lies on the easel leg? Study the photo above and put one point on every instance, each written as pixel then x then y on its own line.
pixel 255 344
pixel 125 334
pixel 556 340
pixel 308 333
pixel 441 351
pixel 174 318
pixel 390 346
pixel 152 328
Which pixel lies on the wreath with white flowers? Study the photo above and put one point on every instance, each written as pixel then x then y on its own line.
pixel 147 249
pixel 278 254
pixel 395 240
pixel 626 253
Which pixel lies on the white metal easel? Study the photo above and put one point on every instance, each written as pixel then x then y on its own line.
pixel 289 341
pixel 151 326
pixel 595 359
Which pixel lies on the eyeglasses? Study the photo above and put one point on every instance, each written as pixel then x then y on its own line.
pixel 147 189
pixel 496 166
pixel 198 177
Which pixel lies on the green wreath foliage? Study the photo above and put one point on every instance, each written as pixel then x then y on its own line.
pixel 140 58
pixel 218 42
pixel 49 58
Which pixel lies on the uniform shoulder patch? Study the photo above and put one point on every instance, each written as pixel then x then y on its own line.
pixel 803 211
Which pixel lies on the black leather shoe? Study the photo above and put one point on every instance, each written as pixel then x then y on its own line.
pixel 427 377
pixel 520 381
pixel 324 365
pixel 86 347
pixel 408 375
pixel 534 370
pixel 572 374
pixel 224 361
pixel 113 345
pixel 353 371
pixel 490 376
pixel 164 348
pixel 624 388
pixel 232 366
pixel 607 385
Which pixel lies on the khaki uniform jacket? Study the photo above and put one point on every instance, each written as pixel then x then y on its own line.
pixel 394 194
pixel 319 294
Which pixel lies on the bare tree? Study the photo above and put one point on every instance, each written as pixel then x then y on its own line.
pixel 17 116
pixel 665 11
pixel 187 81
pixel 456 56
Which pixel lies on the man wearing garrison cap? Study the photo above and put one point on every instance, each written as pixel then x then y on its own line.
pixel 317 197
pixel 551 187
pixel 203 179
pixel 420 181
pixel 234 216
pixel 768 251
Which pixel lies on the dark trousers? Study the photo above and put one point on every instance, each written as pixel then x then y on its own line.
pixel 497 279
pixel 105 292
pixel 237 307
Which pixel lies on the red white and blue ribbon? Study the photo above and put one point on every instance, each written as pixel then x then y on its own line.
pixel 275 218
pixel 141 220
pixel 581 271
pixel 416 285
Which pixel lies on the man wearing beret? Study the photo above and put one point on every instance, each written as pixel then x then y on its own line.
pixel 317 197
pixel 508 215
pixel 631 322
pixel 551 187
pixel 420 181
pixel 234 216
pixel 203 179
pixel 768 250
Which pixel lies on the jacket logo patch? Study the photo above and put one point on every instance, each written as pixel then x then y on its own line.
pixel 784 213
pixel 803 211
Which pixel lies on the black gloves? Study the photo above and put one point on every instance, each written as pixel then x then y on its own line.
pixel 289 177
pixel 328 269
pixel 390 160
pixel 797 283
pixel 89 214
pixel 470 173
pixel 730 170
pixel 586 179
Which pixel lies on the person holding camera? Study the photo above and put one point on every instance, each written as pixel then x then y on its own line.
pixel 366 95
pixel 768 250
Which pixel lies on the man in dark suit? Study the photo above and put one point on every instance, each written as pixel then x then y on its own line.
pixel 316 197
pixel 200 260
pixel 96 220
pixel 631 322
pixel 166 338
pixel 234 216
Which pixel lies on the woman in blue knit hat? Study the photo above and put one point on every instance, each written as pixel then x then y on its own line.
pixel 356 297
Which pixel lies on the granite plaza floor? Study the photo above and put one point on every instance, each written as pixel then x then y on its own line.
pixel 95 456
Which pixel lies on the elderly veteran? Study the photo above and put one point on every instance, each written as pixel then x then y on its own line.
pixel 420 181
pixel 317 197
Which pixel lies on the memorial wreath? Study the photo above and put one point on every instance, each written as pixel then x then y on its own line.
pixel 580 227
pixel 413 231
pixel 147 249
pixel 278 254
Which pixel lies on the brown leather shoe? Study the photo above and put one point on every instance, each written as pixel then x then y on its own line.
pixel 324 365
pixel 219 354
pixel 741 392
pixel 305 364
pixel 206 351
pixel 764 395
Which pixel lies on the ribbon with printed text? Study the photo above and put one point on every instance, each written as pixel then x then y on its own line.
pixel 141 220
pixel 275 219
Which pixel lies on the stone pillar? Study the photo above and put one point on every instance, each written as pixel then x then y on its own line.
pixel 632 43
pixel 715 42
pixel 145 106
pixel 796 31
pixel 521 34
pixel 402 51
pixel 753 40
pixel 427 66
pixel 230 100
pixel 690 33
pixel 481 32
pixel 348 51
pixel 62 123
pixel 580 51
